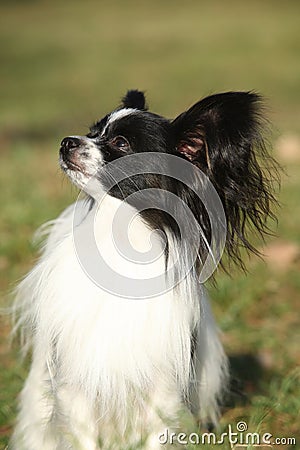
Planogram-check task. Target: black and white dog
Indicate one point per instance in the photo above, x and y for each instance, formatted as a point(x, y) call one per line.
point(115, 310)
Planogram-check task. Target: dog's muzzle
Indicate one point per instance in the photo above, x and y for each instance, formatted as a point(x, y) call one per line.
point(68, 144)
point(69, 153)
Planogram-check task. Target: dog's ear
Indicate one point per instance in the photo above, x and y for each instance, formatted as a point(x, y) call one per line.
point(212, 128)
point(223, 136)
point(134, 99)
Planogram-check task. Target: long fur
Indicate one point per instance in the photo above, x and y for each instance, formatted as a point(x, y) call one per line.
point(111, 372)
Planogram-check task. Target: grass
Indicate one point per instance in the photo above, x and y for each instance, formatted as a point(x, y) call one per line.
point(64, 64)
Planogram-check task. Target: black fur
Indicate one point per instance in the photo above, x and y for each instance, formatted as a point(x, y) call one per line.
point(134, 99)
point(223, 136)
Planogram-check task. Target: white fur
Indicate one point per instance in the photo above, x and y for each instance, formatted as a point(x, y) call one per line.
point(106, 367)
point(116, 115)
point(84, 179)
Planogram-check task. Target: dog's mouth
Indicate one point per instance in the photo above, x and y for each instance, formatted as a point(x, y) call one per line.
point(69, 155)
point(67, 163)
point(79, 158)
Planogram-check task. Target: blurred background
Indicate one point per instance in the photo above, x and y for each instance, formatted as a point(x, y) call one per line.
point(66, 64)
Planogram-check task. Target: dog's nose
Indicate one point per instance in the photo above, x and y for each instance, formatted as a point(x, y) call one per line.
point(68, 143)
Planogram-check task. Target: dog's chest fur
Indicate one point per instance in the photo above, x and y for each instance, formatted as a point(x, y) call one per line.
point(94, 340)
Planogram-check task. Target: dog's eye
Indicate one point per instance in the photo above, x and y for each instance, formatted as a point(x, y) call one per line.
point(120, 142)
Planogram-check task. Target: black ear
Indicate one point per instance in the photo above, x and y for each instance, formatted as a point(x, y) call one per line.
point(207, 129)
point(223, 135)
point(134, 99)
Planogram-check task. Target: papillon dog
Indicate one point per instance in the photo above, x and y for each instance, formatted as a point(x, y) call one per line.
point(115, 311)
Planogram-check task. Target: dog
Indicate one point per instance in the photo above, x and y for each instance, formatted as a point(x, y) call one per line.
point(115, 311)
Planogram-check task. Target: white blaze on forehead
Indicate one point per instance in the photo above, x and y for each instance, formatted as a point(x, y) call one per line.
point(116, 115)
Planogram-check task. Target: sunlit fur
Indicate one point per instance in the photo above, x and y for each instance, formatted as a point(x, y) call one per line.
point(110, 372)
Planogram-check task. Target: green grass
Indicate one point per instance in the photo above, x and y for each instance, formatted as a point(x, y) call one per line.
point(65, 64)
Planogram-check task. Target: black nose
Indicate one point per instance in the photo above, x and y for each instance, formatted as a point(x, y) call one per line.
point(68, 143)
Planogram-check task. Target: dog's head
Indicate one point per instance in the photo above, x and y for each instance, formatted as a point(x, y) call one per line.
point(222, 135)
point(127, 130)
